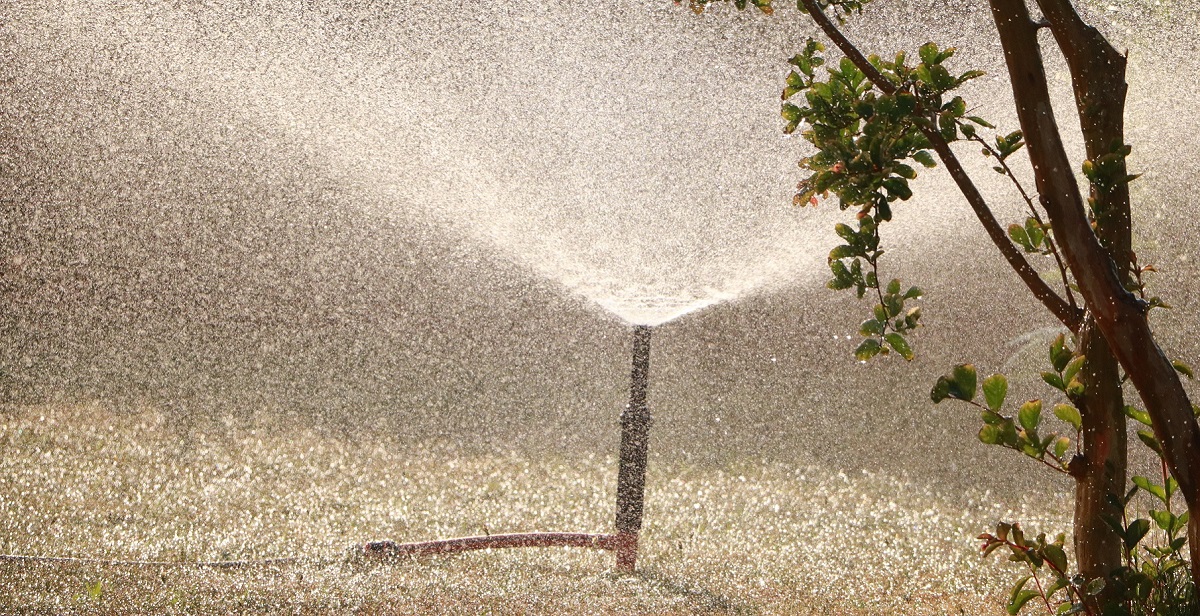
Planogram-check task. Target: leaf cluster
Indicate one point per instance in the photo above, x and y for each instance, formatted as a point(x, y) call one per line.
point(1031, 236)
point(1022, 431)
point(865, 138)
point(867, 142)
point(1155, 576)
point(1041, 555)
point(1107, 171)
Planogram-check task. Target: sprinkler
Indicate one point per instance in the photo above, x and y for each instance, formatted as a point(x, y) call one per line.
point(631, 489)
point(631, 470)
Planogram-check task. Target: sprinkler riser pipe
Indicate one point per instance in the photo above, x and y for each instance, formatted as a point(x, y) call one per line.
point(631, 473)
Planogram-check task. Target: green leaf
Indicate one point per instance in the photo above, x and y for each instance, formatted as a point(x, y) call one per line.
point(843, 251)
point(995, 389)
point(1060, 446)
point(1138, 415)
point(1060, 355)
point(1094, 587)
point(897, 187)
point(1183, 369)
point(969, 75)
point(912, 318)
point(1035, 232)
point(957, 107)
point(897, 342)
point(1073, 368)
point(1151, 487)
point(1089, 170)
point(1069, 414)
point(1147, 437)
point(962, 382)
point(847, 233)
point(913, 293)
point(867, 349)
point(1059, 583)
point(870, 327)
point(893, 286)
point(837, 284)
point(1137, 529)
point(941, 390)
point(1020, 237)
point(1053, 380)
point(946, 124)
point(928, 53)
point(1030, 415)
point(1164, 519)
point(1019, 600)
point(991, 417)
point(990, 434)
point(924, 157)
point(1057, 557)
point(1008, 434)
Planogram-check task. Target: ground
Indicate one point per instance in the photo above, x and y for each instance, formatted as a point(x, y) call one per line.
point(741, 538)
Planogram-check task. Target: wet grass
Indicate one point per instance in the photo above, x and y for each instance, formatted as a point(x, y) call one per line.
point(740, 538)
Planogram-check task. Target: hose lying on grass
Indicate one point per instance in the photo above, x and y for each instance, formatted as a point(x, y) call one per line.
point(378, 550)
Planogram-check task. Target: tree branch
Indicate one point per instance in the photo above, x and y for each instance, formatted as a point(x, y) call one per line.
point(1068, 315)
point(1098, 77)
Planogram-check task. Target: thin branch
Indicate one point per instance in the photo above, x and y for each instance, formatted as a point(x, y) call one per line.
point(1041, 591)
point(1062, 268)
point(885, 85)
point(1068, 315)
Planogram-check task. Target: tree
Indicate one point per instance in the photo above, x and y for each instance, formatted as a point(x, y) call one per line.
point(871, 117)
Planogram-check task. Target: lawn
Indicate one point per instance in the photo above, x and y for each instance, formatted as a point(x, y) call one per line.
point(743, 537)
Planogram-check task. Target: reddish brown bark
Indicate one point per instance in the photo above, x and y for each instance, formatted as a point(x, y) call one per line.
point(1099, 549)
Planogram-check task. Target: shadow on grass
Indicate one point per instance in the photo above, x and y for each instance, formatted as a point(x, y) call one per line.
point(699, 598)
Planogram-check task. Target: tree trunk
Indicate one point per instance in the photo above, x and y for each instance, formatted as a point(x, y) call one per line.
point(1102, 475)
point(1098, 80)
point(1119, 316)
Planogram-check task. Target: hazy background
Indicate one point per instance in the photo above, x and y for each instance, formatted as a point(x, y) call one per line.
point(406, 217)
